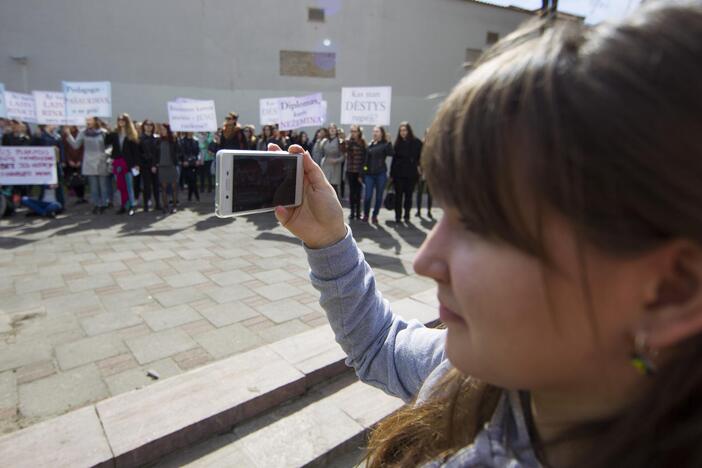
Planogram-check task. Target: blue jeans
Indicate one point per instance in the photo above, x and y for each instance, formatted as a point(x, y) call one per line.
point(99, 189)
point(377, 182)
point(41, 208)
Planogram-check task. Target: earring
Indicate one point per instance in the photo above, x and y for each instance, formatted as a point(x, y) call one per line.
point(640, 358)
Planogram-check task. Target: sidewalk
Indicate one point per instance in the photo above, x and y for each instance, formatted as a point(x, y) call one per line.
point(89, 305)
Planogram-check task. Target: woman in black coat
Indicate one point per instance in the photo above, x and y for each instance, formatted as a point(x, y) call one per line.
point(149, 154)
point(404, 169)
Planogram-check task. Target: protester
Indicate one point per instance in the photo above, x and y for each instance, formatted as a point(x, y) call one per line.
point(355, 156)
point(190, 161)
point(333, 149)
point(125, 161)
point(422, 187)
point(319, 137)
point(279, 138)
point(249, 132)
point(149, 152)
point(568, 260)
point(266, 135)
point(20, 134)
point(168, 157)
point(94, 166)
point(304, 141)
point(205, 141)
point(73, 158)
point(375, 172)
point(403, 171)
point(232, 136)
point(49, 203)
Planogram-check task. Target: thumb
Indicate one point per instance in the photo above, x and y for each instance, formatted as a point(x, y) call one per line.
point(282, 214)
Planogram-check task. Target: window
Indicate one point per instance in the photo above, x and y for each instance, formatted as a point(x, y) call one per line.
point(315, 14)
point(472, 55)
point(312, 64)
point(491, 38)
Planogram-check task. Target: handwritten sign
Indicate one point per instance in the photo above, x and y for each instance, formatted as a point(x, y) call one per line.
point(87, 99)
point(303, 111)
point(3, 110)
point(28, 165)
point(50, 107)
point(192, 116)
point(366, 106)
point(269, 111)
point(20, 106)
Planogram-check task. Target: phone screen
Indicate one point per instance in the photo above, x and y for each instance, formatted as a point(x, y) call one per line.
point(264, 181)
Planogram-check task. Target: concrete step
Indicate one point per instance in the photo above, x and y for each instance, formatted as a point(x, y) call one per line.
point(326, 426)
point(143, 426)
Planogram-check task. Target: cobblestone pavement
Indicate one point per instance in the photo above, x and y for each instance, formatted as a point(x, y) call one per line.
point(90, 304)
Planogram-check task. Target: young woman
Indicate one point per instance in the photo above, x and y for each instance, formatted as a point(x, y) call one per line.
point(422, 187)
point(333, 149)
point(232, 136)
point(125, 161)
point(404, 169)
point(92, 139)
point(249, 132)
point(304, 141)
point(568, 260)
point(375, 172)
point(355, 155)
point(74, 161)
point(168, 157)
point(266, 135)
point(319, 137)
point(205, 141)
point(190, 162)
point(149, 155)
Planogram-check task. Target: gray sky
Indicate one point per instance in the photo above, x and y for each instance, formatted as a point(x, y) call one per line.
point(594, 11)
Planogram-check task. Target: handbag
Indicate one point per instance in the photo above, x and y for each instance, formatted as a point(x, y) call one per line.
point(389, 202)
point(76, 181)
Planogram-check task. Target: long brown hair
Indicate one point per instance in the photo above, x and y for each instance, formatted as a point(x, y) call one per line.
point(602, 126)
point(129, 129)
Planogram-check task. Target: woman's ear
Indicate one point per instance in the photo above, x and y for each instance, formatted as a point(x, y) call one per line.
point(674, 300)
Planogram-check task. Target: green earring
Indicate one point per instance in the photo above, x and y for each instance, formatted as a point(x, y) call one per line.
point(639, 359)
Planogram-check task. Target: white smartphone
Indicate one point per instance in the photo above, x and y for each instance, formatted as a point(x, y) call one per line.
point(256, 181)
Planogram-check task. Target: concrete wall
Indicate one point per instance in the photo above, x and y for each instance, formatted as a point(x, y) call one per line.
point(228, 50)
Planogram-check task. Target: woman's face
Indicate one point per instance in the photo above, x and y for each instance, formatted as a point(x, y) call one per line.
point(332, 132)
point(90, 122)
point(377, 134)
point(121, 123)
point(518, 324)
point(163, 132)
point(148, 129)
point(403, 132)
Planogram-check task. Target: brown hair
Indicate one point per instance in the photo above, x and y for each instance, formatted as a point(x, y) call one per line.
point(361, 140)
point(601, 126)
point(129, 129)
point(410, 132)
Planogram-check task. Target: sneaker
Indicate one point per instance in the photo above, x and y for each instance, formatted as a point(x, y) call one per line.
point(174, 209)
point(364, 219)
point(131, 211)
point(375, 220)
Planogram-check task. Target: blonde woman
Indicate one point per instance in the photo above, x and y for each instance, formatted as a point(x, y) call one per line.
point(125, 165)
point(333, 154)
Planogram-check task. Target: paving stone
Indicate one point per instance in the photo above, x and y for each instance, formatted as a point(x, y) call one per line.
point(197, 327)
point(275, 292)
point(74, 439)
point(181, 280)
point(154, 266)
point(37, 283)
point(230, 277)
point(179, 296)
point(410, 309)
point(283, 330)
point(160, 345)
point(61, 392)
point(77, 302)
point(192, 254)
point(140, 280)
point(91, 282)
point(124, 300)
point(116, 364)
point(195, 357)
point(8, 390)
point(59, 269)
point(160, 319)
point(151, 255)
point(274, 276)
point(282, 311)
point(364, 404)
point(103, 323)
point(228, 340)
point(22, 354)
point(20, 302)
point(137, 378)
point(428, 297)
point(229, 293)
point(228, 313)
point(105, 267)
point(77, 353)
point(112, 256)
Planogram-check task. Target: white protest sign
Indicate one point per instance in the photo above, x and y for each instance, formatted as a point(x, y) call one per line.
point(303, 111)
point(28, 165)
point(20, 106)
point(369, 105)
point(3, 110)
point(192, 116)
point(269, 111)
point(50, 107)
point(87, 99)
point(324, 112)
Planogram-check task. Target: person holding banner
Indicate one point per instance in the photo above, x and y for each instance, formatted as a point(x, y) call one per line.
point(125, 161)
point(18, 136)
point(375, 172)
point(403, 171)
point(333, 155)
point(148, 164)
point(355, 155)
point(92, 138)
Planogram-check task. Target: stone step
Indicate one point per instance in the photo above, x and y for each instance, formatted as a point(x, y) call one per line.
point(144, 425)
point(327, 426)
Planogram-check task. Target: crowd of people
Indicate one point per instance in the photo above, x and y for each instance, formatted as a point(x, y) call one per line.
point(148, 164)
